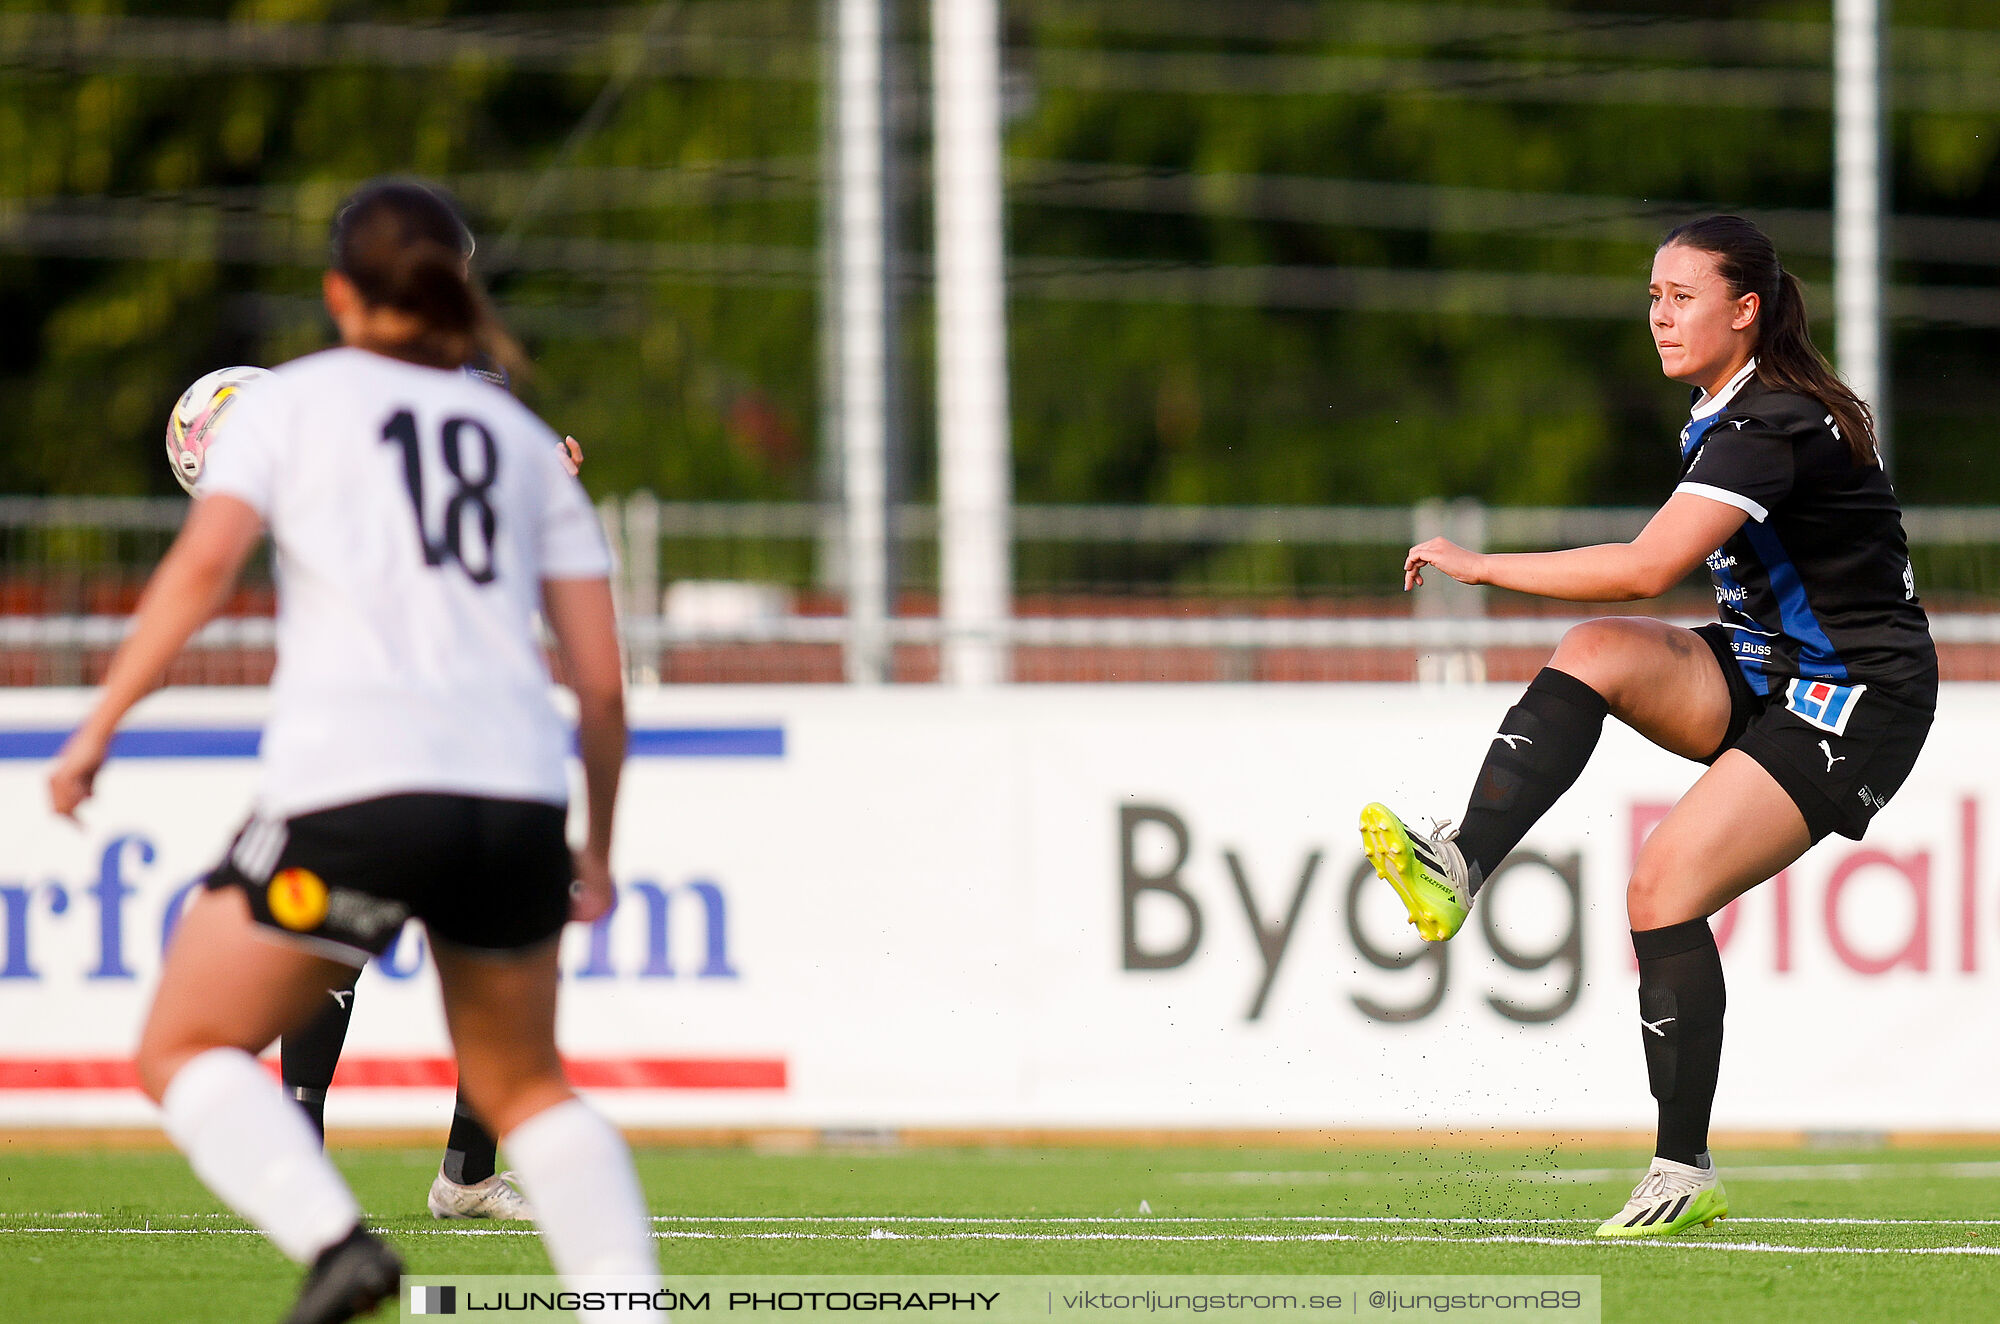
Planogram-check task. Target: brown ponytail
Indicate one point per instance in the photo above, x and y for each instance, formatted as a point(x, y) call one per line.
point(403, 246)
point(1787, 360)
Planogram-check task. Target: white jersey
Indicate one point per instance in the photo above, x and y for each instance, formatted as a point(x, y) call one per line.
point(414, 513)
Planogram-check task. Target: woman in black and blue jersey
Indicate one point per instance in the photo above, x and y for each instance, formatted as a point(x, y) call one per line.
point(1809, 698)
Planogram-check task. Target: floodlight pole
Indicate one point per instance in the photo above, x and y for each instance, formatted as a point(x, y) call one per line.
point(975, 480)
point(865, 356)
point(1860, 194)
point(830, 522)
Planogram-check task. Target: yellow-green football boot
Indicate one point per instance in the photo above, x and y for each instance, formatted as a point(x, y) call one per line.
point(1429, 873)
point(1672, 1197)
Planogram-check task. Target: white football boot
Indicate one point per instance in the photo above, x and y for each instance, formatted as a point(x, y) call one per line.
point(1670, 1198)
point(498, 1197)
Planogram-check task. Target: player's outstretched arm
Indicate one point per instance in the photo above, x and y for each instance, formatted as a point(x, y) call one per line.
point(585, 624)
point(1672, 544)
point(189, 587)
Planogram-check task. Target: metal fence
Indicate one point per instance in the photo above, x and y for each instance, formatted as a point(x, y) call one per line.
point(752, 592)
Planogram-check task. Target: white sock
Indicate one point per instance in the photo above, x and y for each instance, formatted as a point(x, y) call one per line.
point(579, 1179)
point(255, 1149)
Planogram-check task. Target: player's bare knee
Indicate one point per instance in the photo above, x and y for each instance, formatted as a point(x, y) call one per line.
point(1656, 894)
point(1653, 874)
point(1596, 653)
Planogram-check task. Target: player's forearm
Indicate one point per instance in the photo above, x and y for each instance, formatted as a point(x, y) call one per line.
point(1609, 572)
point(601, 739)
point(581, 616)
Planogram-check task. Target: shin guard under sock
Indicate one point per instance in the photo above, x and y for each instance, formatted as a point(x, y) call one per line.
point(1681, 1001)
point(1543, 744)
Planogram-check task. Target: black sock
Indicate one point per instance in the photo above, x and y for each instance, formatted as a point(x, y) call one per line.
point(1543, 744)
point(309, 1056)
point(470, 1152)
point(1681, 1000)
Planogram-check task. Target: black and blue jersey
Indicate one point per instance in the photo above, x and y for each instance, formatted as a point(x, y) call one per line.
point(1817, 585)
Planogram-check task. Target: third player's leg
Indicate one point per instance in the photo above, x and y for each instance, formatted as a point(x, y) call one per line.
point(307, 1056)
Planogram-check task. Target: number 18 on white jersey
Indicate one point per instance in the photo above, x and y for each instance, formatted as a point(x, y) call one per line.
point(414, 513)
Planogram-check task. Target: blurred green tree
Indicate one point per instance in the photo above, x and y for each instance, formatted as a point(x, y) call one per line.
point(1273, 251)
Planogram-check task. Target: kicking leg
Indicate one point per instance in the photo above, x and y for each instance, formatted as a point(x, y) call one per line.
point(1658, 679)
point(1661, 680)
point(1734, 828)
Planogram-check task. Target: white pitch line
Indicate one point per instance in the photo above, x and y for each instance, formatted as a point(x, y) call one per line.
point(1606, 1246)
point(1017, 1221)
point(253, 1232)
point(1314, 1237)
point(1135, 1220)
point(142, 1231)
point(1587, 1176)
point(1661, 1243)
point(1875, 1222)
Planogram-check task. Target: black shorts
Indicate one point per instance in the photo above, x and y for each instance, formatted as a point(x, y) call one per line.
point(486, 874)
point(1840, 752)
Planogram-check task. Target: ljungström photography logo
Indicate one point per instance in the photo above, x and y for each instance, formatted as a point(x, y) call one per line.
point(433, 1300)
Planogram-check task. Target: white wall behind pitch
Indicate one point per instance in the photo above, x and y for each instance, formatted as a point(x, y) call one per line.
point(922, 900)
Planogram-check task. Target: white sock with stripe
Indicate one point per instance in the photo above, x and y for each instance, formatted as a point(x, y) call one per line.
point(255, 1149)
point(578, 1176)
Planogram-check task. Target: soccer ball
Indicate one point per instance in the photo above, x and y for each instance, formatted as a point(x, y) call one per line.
point(191, 426)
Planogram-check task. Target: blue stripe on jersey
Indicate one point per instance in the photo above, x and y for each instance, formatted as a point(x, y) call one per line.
point(1696, 429)
point(1817, 658)
point(1753, 671)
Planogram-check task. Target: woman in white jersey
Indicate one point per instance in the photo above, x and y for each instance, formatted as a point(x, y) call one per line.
point(413, 764)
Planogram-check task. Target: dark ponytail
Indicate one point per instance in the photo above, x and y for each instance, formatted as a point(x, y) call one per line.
point(1786, 357)
point(403, 246)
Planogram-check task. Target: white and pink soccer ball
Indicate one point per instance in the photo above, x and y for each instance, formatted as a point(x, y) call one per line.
point(191, 427)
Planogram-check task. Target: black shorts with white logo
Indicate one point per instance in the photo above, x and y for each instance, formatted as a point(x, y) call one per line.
point(487, 874)
point(1840, 751)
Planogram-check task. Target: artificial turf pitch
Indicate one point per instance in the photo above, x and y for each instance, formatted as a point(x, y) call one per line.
point(1814, 1235)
